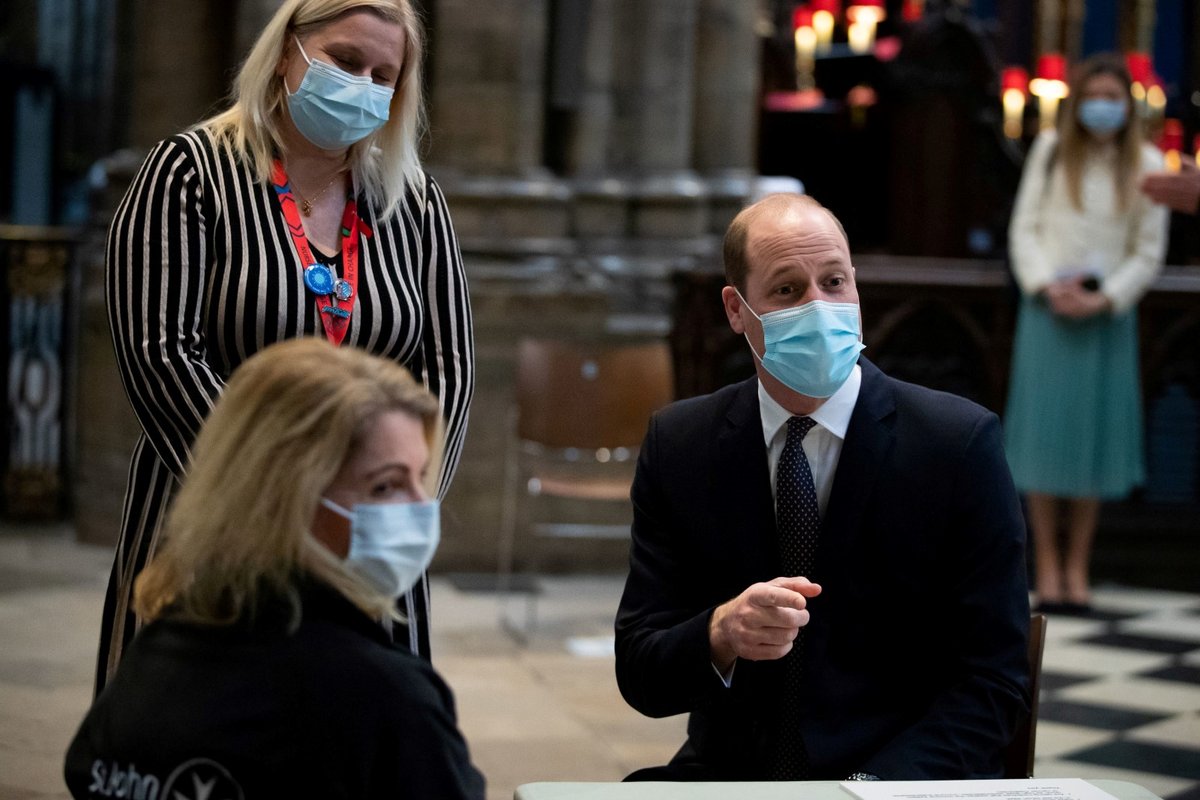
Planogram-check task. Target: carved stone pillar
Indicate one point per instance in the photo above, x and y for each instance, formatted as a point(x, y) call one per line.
point(489, 66)
point(252, 17)
point(725, 87)
point(178, 78)
point(593, 126)
point(724, 117)
point(654, 52)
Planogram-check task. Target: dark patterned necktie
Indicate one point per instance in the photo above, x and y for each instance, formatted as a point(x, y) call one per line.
point(798, 519)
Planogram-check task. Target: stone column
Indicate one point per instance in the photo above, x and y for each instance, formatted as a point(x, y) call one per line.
point(252, 17)
point(487, 106)
point(593, 126)
point(654, 52)
point(725, 87)
point(489, 69)
point(724, 117)
point(178, 78)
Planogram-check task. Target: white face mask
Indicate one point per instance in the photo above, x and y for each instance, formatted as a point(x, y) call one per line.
point(812, 348)
point(391, 544)
point(334, 109)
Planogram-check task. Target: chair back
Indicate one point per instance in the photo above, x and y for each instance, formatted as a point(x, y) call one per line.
point(1018, 756)
point(589, 395)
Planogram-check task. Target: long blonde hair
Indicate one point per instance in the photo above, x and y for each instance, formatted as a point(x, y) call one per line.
point(384, 163)
point(1074, 139)
point(241, 525)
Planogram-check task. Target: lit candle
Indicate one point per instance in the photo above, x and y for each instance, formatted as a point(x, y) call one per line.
point(861, 36)
point(1139, 74)
point(1156, 98)
point(864, 15)
point(806, 47)
point(1012, 85)
point(1050, 86)
point(1171, 142)
point(823, 27)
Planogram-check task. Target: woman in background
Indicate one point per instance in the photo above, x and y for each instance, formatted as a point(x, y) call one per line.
point(267, 667)
point(1085, 245)
point(302, 210)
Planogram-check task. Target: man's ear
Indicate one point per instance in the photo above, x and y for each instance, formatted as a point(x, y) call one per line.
point(733, 309)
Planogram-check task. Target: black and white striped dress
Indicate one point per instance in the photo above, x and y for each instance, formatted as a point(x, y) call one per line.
point(202, 274)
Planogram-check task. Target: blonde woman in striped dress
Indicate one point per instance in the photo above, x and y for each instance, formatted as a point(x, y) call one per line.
point(302, 210)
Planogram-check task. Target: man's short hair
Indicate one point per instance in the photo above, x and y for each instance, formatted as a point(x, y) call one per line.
point(737, 264)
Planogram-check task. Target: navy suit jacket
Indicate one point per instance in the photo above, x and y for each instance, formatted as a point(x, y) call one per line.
point(915, 654)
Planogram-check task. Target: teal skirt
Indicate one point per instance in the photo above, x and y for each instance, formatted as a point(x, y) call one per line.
point(1073, 422)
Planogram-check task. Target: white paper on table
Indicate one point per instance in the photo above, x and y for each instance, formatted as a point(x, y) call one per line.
point(1016, 789)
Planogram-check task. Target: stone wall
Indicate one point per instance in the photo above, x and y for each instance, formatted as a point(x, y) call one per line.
point(655, 114)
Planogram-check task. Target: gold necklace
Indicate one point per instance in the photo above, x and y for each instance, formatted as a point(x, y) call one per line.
point(306, 205)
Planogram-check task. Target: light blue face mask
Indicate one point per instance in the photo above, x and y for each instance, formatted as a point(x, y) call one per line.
point(811, 349)
point(334, 109)
point(1102, 116)
point(391, 544)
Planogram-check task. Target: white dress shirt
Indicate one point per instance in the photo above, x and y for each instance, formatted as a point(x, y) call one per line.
point(823, 444)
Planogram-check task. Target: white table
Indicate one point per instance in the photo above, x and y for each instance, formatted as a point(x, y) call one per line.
point(778, 790)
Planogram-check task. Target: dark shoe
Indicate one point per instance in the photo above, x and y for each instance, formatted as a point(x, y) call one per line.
point(1076, 609)
point(1051, 607)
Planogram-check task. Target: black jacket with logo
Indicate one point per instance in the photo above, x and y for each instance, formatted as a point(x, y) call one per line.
point(333, 709)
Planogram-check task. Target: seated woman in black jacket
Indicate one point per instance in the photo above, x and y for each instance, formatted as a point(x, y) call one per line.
point(267, 668)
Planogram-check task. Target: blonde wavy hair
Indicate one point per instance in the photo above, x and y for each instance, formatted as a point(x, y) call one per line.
point(1074, 139)
point(383, 164)
point(240, 527)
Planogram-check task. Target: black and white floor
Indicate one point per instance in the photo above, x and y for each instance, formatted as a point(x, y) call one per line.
point(1121, 692)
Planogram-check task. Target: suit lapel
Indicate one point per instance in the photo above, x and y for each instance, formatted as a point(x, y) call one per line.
point(747, 508)
point(868, 441)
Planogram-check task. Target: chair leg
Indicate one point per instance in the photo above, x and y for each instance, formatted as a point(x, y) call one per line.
point(510, 514)
point(506, 552)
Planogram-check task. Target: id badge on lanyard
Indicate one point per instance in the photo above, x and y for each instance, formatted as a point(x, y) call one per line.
point(334, 296)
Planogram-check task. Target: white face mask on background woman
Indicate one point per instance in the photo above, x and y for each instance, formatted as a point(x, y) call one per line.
point(1102, 116)
point(391, 544)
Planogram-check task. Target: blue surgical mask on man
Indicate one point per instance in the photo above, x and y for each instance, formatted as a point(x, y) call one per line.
point(391, 544)
point(334, 109)
point(1101, 116)
point(811, 349)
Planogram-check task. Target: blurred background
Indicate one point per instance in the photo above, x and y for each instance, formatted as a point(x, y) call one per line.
point(593, 152)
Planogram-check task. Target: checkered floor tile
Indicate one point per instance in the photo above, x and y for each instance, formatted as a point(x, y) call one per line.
point(1121, 692)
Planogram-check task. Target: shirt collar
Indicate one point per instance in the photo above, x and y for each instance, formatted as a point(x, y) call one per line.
point(833, 415)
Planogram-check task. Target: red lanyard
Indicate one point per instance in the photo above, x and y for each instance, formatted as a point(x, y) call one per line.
point(335, 297)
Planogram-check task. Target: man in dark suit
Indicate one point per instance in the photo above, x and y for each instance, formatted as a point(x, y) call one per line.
point(897, 649)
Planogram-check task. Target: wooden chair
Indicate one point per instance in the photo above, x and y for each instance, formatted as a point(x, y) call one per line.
point(580, 415)
point(1018, 756)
